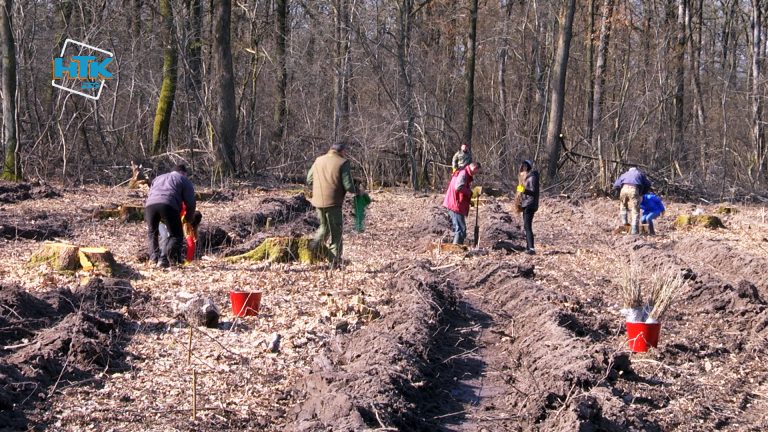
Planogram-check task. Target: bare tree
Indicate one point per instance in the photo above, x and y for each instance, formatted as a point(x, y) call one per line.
point(12, 164)
point(224, 79)
point(469, 74)
point(599, 82)
point(557, 95)
point(758, 52)
point(343, 72)
point(168, 90)
point(281, 105)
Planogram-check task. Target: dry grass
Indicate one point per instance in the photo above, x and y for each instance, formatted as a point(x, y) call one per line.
point(631, 294)
point(664, 289)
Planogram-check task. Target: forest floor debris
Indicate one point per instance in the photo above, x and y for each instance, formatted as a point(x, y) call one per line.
point(405, 336)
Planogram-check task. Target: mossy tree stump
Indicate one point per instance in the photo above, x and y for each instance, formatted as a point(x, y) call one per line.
point(286, 249)
point(64, 257)
point(61, 257)
point(706, 221)
point(97, 259)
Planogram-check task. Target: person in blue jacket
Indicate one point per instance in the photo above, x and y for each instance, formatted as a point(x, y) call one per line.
point(652, 208)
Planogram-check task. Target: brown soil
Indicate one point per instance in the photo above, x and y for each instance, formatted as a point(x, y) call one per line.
point(404, 337)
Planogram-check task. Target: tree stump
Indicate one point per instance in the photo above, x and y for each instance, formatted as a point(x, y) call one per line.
point(106, 213)
point(59, 256)
point(286, 249)
point(97, 260)
point(138, 179)
point(131, 213)
point(705, 221)
point(451, 248)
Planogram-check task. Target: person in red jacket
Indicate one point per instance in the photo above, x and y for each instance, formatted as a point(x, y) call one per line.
point(458, 198)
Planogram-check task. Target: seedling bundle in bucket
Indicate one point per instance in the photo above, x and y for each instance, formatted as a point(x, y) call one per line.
point(643, 316)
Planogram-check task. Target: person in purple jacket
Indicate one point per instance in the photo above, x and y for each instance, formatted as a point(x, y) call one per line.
point(166, 195)
point(633, 184)
point(652, 208)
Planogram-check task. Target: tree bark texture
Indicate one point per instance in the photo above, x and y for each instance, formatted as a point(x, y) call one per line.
point(557, 95)
point(11, 165)
point(281, 105)
point(168, 90)
point(225, 126)
point(469, 74)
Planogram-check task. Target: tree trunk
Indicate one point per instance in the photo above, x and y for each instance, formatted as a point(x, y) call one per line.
point(343, 71)
point(599, 80)
point(12, 164)
point(194, 56)
point(225, 126)
point(679, 60)
point(281, 105)
point(168, 89)
point(756, 97)
point(506, 151)
point(590, 44)
point(557, 94)
point(469, 75)
point(406, 93)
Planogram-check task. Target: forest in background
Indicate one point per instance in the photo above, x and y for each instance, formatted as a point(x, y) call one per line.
point(249, 88)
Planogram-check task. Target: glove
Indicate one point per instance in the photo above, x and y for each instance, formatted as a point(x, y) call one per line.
point(520, 188)
point(453, 170)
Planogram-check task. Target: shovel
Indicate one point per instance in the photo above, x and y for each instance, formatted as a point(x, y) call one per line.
point(476, 240)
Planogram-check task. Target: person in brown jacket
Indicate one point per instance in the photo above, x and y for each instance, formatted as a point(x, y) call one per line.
point(330, 179)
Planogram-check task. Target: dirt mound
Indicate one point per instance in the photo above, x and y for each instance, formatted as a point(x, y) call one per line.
point(366, 379)
point(277, 210)
point(35, 226)
point(11, 192)
point(58, 336)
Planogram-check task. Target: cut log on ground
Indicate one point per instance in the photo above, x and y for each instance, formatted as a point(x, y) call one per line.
point(286, 249)
point(97, 260)
point(59, 256)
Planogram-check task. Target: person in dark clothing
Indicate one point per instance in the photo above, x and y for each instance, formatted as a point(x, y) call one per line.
point(164, 203)
point(529, 190)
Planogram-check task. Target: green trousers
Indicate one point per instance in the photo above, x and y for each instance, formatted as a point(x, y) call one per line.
point(331, 222)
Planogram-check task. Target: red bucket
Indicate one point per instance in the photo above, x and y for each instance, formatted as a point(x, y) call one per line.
point(245, 303)
point(190, 248)
point(642, 335)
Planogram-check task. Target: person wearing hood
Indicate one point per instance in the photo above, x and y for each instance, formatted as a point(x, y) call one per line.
point(458, 198)
point(528, 188)
point(633, 184)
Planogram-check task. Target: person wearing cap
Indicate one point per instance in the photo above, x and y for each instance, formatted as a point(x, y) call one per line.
point(167, 194)
point(633, 184)
point(330, 179)
point(462, 158)
point(528, 188)
point(457, 199)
